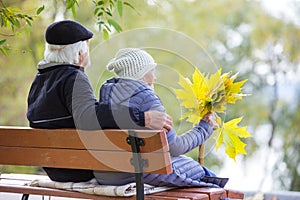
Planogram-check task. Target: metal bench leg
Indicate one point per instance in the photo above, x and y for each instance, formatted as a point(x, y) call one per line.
point(25, 197)
point(139, 179)
point(137, 162)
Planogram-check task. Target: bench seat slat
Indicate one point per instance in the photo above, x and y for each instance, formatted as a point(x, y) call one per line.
point(79, 139)
point(235, 194)
point(188, 195)
point(51, 192)
point(154, 197)
point(83, 159)
point(72, 194)
point(213, 193)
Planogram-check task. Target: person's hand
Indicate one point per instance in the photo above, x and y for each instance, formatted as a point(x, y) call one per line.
point(158, 120)
point(211, 119)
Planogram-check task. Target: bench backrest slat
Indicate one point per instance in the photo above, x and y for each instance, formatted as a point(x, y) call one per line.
point(81, 159)
point(80, 139)
point(70, 148)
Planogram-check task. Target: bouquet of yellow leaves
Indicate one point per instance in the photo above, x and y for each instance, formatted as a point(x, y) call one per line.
point(211, 94)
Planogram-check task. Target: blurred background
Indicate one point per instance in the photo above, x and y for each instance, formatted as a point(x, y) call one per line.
point(259, 39)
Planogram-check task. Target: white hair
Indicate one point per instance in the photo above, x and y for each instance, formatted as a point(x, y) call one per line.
point(65, 53)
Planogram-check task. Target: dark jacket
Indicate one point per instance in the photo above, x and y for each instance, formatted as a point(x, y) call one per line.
point(50, 97)
point(186, 172)
point(62, 97)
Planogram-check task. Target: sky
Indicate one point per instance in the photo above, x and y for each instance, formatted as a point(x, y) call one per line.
point(282, 9)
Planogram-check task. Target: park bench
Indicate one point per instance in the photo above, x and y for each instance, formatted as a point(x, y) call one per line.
point(138, 151)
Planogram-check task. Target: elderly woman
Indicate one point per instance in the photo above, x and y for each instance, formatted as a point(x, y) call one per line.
point(134, 88)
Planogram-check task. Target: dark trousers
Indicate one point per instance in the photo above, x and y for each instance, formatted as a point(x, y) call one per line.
point(69, 175)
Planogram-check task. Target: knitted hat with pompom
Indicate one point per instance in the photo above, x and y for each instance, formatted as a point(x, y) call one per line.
point(131, 63)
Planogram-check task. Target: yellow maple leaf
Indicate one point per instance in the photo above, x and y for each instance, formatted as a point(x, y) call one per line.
point(187, 95)
point(229, 135)
point(216, 92)
point(200, 88)
point(189, 99)
point(215, 83)
point(193, 96)
point(233, 90)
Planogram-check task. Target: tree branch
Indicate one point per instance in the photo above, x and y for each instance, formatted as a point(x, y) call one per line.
point(2, 4)
point(7, 35)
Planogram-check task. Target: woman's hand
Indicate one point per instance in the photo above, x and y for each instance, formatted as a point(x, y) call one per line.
point(211, 119)
point(158, 120)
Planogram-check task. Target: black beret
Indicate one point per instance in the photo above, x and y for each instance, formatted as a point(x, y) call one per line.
point(67, 32)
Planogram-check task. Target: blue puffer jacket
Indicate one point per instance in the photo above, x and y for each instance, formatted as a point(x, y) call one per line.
point(186, 172)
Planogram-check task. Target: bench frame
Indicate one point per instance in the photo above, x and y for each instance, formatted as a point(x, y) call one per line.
point(44, 140)
point(136, 151)
point(137, 161)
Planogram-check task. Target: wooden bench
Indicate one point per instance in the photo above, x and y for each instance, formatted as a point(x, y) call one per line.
point(137, 151)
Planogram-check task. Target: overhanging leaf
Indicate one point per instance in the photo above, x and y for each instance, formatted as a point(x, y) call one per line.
point(120, 8)
point(40, 9)
point(105, 34)
point(74, 11)
point(115, 25)
point(2, 42)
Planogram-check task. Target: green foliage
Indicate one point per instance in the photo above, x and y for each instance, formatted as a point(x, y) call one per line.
point(15, 20)
point(40, 9)
point(11, 17)
point(104, 12)
point(71, 5)
point(4, 47)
